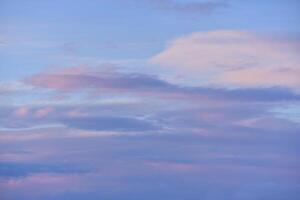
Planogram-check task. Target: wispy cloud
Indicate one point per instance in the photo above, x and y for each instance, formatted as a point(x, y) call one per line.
point(189, 6)
point(21, 169)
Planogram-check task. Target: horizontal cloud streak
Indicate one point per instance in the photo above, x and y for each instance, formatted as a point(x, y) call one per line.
point(189, 6)
point(15, 169)
point(139, 84)
point(68, 80)
point(109, 123)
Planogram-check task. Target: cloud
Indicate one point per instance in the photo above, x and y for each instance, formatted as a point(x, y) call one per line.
point(136, 166)
point(22, 111)
point(40, 113)
point(84, 117)
point(84, 78)
point(21, 169)
point(235, 59)
point(188, 6)
point(102, 123)
point(40, 186)
point(9, 87)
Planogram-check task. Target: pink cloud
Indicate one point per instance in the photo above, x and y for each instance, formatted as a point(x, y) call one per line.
point(42, 112)
point(257, 77)
point(38, 185)
point(234, 58)
point(113, 82)
point(22, 111)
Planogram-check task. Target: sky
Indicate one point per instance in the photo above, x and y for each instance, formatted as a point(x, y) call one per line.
point(149, 99)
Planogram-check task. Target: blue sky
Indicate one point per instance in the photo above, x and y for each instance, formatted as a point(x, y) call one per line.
point(149, 99)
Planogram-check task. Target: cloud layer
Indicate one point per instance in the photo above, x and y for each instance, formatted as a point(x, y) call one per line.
point(194, 140)
point(113, 82)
